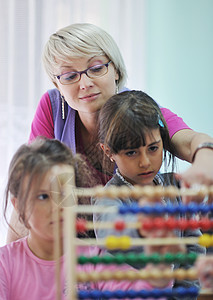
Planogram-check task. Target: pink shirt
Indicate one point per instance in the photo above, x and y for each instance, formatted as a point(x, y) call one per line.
point(24, 276)
point(42, 124)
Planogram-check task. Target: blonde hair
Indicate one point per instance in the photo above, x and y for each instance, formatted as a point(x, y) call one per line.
point(79, 40)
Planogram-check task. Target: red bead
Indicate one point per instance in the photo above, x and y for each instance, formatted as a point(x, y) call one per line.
point(119, 225)
point(147, 224)
point(171, 223)
point(193, 224)
point(81, 225)
point(182, 224)
point(205, 224)
point(159, 223)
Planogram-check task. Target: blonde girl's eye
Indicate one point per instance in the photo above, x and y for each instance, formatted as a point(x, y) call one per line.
point(43, 196)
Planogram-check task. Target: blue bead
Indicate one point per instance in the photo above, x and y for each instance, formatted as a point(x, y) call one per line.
point(159, 209)
point(180, 291)
point(211, 208)
point(119, 294)
point(146, 210)
point(182, 209)
point(135, 209)
point(204, 208)
point(171, 209)
point(95, 294)
point(166, 292)
point(143, 294)
point(131, 294)
point(193, 291)
point(192, 208)
point(123, 209)
point(83, 294)
point(156, 293)
point(107, 294)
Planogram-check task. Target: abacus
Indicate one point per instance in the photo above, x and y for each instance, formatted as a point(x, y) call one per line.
point(72, 227)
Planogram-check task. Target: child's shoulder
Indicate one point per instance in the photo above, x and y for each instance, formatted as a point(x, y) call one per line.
point(13, 249)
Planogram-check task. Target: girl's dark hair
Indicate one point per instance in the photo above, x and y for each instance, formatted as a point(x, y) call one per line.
point(31, 163)
point(127, 117)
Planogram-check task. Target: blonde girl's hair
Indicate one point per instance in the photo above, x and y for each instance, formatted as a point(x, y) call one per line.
point(81, 40)
point(30, 164)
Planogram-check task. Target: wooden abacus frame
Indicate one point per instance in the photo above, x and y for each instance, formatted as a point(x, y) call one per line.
point(71, 210)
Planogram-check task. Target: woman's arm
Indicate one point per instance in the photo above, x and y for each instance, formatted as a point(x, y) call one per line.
point(201, 171)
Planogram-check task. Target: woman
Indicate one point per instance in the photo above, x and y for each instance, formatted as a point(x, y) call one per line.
point(87, 68)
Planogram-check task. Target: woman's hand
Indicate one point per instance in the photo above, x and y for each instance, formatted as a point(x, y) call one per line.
point(204, 266)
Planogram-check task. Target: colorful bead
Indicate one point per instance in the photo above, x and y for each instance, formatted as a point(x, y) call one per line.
point(119, 225)
point(183, 224)
point(171, 223)
point(205, 240)
point(124, 242)
point(111, 242)
point(81, 225)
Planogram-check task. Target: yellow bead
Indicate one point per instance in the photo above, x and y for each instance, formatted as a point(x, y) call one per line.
point(119, 275)
point(124, 242)
point(82, 277)
point(205, 240)
point(111, 242)
point(180, 274)
point(106, 275)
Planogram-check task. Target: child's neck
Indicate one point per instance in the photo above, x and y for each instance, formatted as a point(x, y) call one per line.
point(43, 249)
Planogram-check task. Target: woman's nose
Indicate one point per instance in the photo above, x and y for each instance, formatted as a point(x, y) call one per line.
point(85, 81)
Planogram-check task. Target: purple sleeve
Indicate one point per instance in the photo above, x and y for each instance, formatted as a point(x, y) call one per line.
point(42, 124)
point(174, 122)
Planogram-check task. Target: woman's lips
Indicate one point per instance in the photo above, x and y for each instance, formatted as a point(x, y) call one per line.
point(90, 97)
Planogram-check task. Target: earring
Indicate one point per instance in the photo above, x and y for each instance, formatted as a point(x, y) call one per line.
point(116, 90)
point(62, 107)
point(111, 159)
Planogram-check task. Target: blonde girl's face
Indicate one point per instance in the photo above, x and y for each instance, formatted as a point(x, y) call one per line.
point(48, 199)
point(140, 165)
point(87, 95)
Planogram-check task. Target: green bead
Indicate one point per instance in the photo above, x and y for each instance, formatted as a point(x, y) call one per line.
point(131, 258)
point(119, 258)
point(94, 260)
point(155, 258)
point(192, 257)
point(142, 258)
point(107, 259)
point(180, 257)
point(169, 258)
point(82, 260)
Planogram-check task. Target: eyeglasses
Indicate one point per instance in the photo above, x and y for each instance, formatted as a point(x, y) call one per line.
point(92, 72)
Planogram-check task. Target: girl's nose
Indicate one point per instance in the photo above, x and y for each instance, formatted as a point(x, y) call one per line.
point(144, 161)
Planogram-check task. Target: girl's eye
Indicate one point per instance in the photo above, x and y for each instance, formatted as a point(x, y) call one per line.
point(130, 153)
point(43, 197)
point(153, 148)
